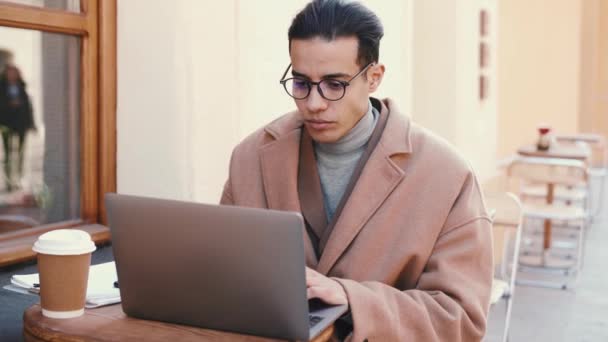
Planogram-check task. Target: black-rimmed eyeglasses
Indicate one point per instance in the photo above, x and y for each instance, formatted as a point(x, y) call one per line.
point(330, 89)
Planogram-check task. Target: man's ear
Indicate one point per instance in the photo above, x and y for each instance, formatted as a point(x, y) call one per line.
point(375, 75)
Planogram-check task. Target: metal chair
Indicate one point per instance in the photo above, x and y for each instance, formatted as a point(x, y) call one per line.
point(506, 230)
point(552, 173)
point(598, 164)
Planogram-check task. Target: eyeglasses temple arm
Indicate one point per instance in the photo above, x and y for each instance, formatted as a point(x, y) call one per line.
point(285, 73)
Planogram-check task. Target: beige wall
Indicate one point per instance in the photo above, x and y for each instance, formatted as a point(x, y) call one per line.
point(445, 78)
point(539, 69)
point(601, 114)
point(594, 68)
point(195, 77)
point(589, 63)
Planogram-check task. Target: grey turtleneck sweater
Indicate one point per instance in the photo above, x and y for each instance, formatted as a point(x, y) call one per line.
point(336, 161)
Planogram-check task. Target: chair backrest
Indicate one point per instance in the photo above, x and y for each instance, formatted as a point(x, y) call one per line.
point(567, 172)
point(596, 142)
point(499, 183)
point(506, 231)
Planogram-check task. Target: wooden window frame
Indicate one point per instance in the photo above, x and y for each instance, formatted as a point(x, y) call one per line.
point(95, 25)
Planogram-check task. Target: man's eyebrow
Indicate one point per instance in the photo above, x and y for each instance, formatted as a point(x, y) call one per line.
point(298, 74)
point(334, 75)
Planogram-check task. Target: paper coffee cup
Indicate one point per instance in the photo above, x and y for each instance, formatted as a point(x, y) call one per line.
point(64, 258)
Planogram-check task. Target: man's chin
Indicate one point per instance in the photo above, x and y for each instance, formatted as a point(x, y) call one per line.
point(323, 137)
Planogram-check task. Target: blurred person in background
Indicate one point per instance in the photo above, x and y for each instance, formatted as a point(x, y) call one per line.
point(16, 119)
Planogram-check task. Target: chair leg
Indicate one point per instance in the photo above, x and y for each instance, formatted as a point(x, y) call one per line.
point(596, 206)
point(543, 283)
point(544, 262)
point(581, 247)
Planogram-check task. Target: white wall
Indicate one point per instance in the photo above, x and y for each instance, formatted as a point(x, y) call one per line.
point(195, 77)
point(208, 98)
point(151, 152)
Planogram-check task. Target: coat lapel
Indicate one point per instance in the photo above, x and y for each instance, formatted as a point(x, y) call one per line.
point(279, 161)
point(378, 179)
point(309, 187)
point(279, 166)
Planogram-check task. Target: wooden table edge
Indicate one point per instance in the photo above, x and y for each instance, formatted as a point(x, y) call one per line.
point(32, 332)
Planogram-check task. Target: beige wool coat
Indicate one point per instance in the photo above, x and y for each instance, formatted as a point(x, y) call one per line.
point(412, 247)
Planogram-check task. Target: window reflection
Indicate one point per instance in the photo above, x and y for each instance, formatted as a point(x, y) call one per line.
point(39, 126)
point(16, 121)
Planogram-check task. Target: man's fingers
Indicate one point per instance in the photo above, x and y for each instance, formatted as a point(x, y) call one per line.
point(311, 273)
point(310, 293)
point(316, 292)
point(312, 277)
point(319, 286)
point(328, 295)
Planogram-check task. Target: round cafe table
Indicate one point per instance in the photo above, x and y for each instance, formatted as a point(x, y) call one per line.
point(561, 151)
point(565, 151)
point(109, 323)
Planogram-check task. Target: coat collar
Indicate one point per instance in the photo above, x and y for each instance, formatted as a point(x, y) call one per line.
point(381, 174)
point(393, 139)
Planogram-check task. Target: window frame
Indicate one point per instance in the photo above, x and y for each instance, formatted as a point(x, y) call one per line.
point(95, 25)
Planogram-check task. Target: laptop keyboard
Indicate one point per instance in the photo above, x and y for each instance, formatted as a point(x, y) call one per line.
point(313, 320)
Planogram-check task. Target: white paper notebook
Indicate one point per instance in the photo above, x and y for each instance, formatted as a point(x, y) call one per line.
point(100, 289)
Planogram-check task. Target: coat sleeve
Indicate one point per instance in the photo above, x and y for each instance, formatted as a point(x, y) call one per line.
point(451, 299)
point(227, 198)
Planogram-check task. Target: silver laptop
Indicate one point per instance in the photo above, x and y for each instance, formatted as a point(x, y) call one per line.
point(217, 267)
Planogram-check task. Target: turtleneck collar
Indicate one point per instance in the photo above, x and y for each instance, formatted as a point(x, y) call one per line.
point(355, 139)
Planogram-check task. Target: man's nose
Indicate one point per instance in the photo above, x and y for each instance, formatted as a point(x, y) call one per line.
point(315, 102)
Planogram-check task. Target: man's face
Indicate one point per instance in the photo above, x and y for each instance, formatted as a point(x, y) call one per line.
point(316, 59)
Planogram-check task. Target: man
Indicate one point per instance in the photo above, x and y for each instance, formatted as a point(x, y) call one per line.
point(395, 223)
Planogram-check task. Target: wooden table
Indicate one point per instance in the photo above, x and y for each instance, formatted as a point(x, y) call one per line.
point(559, 151)
point(109, 323)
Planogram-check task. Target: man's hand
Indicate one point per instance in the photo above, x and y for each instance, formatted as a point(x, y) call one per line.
point(326, 289)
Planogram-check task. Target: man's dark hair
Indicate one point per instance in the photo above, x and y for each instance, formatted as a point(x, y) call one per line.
point(331, 19)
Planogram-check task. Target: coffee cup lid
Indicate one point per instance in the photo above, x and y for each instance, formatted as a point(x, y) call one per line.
point(64, 242)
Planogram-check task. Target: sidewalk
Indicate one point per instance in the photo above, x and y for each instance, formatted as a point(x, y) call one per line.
point(581, 314)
